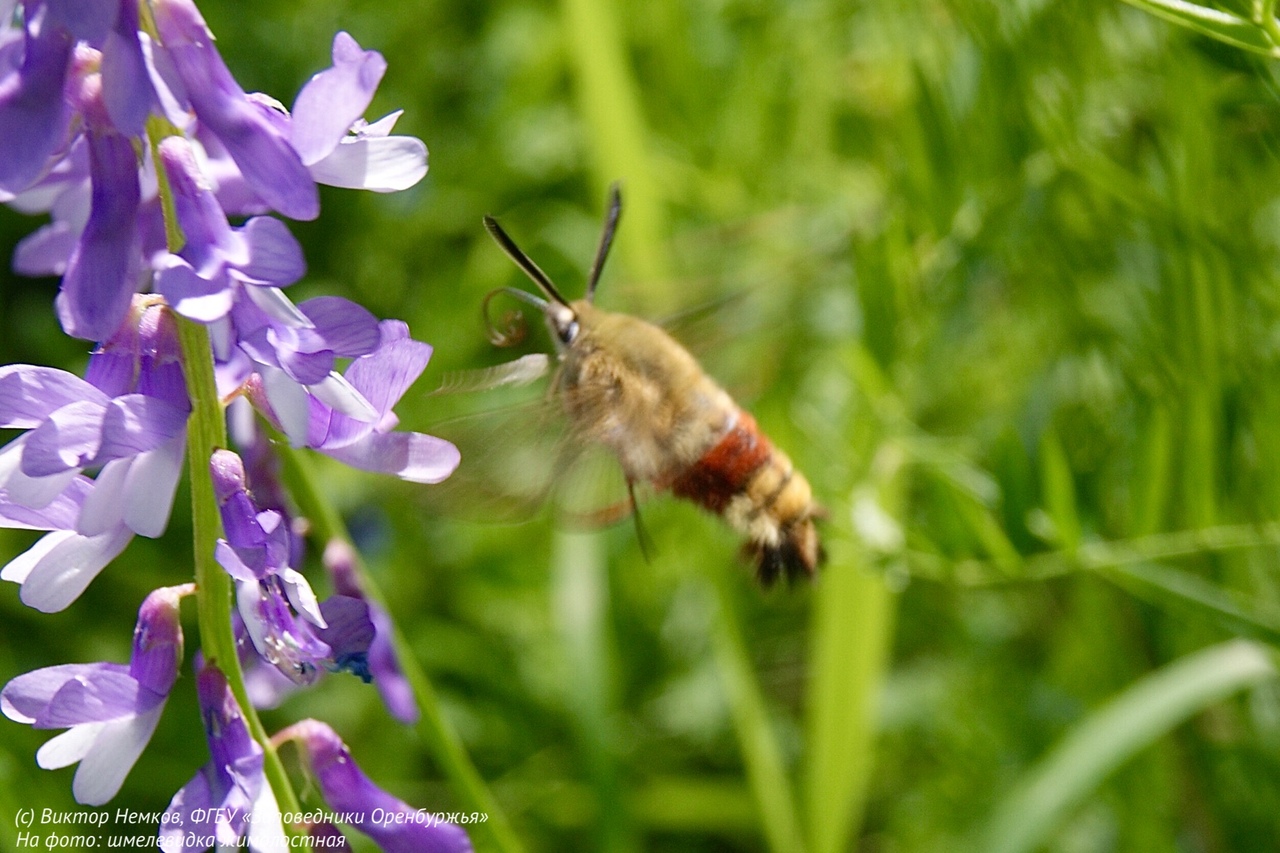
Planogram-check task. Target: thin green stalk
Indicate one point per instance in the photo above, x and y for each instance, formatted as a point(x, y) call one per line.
point(433, 727)
point(766, 769)
point(206, 432)
point(580, 602)
point(610, 103)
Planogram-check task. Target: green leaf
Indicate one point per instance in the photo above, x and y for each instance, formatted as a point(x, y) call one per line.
point(1111, 735)
point(1182, 591)
point(1222, 26)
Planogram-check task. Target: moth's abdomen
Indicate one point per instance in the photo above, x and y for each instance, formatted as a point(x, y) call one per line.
point(754, 486)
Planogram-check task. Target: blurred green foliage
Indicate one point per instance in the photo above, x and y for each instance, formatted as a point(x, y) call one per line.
point(1000, 277)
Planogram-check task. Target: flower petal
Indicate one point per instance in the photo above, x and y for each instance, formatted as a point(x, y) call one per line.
point(393, 686)
point(277, 306)
point(45, 250)
point(266, 830)
point(332, 100)
point(71, 437)
point(86, 21)
point(60, 513)
point(34, 493)
point(380, 164)
point(382, 377)
point(61, 574)
point(302, 597)
point(151, 486)
point(69, 747)
point(33, 115)
point(229, 559)
point(29, 394)
point(19, 568)
point(195, 797)
point(346, 328)
point(26, 696)
point(136, 423)
point(411, 456)
point(112, 756)
point(275, 256)
point(105, 696)
point(103, 509)
point(335, 391)
point(305, 368)
point(126, 85)
point(288, 400)
point(99, 283)
point(191, 295)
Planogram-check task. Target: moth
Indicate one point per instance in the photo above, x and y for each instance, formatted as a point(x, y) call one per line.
point(628, 386)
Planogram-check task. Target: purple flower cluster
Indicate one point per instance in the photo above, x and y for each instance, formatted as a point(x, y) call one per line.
point(159, 173)
point(108, 709)
point(127, 418)
point(82, 92)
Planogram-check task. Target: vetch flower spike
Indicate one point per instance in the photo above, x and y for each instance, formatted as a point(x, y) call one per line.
point(392, 824)
point(109, 710)
point(128, 417)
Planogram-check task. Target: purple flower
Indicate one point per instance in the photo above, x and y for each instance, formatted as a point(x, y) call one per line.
point(77, 85)
point(202, 279)
point(33, 116)
point(229, 797)
point(286, 355)
point(288, 627)
point(127, 418)
point(102, 272)
point(392, 824)
point(383, 665)
point(381, 378)
point(262, 153)
point(330, 135)
point(109, 710)
point(284, 359)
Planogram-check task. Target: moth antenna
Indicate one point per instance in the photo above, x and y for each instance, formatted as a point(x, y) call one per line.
point(523, 261)
point(606, 239)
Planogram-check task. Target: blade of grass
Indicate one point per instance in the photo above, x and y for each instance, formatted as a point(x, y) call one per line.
point(610, 102)
point(1139, 715)
point(852, 628)
point(766, 769)
point(1222, 26)
point(579, 592)
point(1182, 591)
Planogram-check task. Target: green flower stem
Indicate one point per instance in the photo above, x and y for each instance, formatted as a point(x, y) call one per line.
point(433, 727)
point(206, 432)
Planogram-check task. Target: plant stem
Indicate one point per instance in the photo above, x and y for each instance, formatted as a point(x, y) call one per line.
point(206, 432)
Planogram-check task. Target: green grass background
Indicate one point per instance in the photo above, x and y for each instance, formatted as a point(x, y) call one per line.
point(1001, 277)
